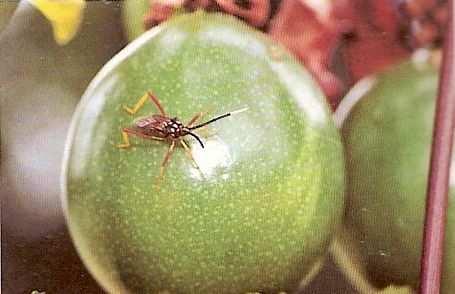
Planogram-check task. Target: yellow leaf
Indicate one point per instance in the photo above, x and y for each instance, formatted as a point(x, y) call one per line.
point(64, 15)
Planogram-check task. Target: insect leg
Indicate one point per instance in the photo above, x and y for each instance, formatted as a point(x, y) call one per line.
point(138, 105)
point(190, 156)
point(195, 118)
point(126, 141)
point(166, 158)
point(156, 102)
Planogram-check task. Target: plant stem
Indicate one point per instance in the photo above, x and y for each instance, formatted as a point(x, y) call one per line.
point(438, 181)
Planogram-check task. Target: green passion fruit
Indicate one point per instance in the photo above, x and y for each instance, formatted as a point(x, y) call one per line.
point(258, 212)
point(388, 140)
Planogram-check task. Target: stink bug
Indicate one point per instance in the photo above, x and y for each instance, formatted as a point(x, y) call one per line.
point(162, 127)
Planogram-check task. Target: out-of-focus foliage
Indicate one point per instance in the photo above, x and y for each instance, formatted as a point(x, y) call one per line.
point(6, 11)
point(41, 83)
point(133, 17)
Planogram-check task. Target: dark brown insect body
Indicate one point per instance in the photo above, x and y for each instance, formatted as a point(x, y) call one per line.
point(161, 127)
point(164, 127)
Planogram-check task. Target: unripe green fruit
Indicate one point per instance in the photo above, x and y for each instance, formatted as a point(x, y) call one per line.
point(260, 217)
point(388, 141)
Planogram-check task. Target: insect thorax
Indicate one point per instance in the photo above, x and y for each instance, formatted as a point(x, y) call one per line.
point(161, 126)
point(174, 128)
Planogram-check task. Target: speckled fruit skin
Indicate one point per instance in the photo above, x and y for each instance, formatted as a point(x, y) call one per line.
point(388, 140)
point(272, 194)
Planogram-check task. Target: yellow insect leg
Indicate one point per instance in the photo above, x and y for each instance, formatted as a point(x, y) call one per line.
point(126, 141)
point(166, 158)
point(138, 105)
point(189, 155)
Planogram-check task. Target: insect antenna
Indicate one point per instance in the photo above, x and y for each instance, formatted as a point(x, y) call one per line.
point(196, 137)
point(218, 118)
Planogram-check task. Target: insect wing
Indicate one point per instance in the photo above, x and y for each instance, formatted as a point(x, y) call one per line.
point(151, 122)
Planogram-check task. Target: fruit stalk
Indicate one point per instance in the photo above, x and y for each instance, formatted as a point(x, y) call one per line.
point(437, 192)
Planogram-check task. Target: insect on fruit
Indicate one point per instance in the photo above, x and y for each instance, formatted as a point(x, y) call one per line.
point(161, 127)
